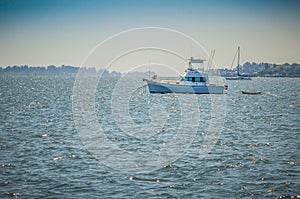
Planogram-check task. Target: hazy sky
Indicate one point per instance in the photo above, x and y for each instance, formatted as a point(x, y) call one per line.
point(45, 32)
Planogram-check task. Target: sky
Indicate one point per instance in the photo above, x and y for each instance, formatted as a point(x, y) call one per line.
point(64, 32)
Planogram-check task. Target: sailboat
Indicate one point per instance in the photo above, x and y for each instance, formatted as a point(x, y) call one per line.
point(239, 76)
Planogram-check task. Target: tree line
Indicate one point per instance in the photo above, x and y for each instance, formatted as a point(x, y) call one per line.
point(51, 71)
point(265, 70)
point(63, 70)
point(252, 69)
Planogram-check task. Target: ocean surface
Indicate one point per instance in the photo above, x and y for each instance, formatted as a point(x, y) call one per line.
point(170, 143)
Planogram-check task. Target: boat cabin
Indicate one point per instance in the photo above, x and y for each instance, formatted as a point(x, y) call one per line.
point(192, 75)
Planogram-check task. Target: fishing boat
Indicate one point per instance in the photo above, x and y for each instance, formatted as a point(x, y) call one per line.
point(193, 81)
point(251, 92)
point(239, 76)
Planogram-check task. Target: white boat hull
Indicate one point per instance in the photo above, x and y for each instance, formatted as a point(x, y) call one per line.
point(156, 87)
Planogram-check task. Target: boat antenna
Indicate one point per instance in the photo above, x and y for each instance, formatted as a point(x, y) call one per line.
point(234, 59)
point(238, 66)
point(211, 57)
point(191, 50)
point(149, 69)
point(190, 62)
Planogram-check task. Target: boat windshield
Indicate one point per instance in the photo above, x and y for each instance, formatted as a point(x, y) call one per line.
point(195, 79)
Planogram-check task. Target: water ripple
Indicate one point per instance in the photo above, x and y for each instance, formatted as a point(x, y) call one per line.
point(42, 156)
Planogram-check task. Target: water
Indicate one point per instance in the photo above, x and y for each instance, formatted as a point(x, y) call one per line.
point(256, 154)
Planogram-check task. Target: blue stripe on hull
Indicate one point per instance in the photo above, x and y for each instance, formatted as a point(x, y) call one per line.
point(166, 88)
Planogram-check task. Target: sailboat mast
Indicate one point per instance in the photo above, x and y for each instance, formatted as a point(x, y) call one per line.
point(238, 66)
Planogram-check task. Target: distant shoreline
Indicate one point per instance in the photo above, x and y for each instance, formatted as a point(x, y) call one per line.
point(251, 69)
